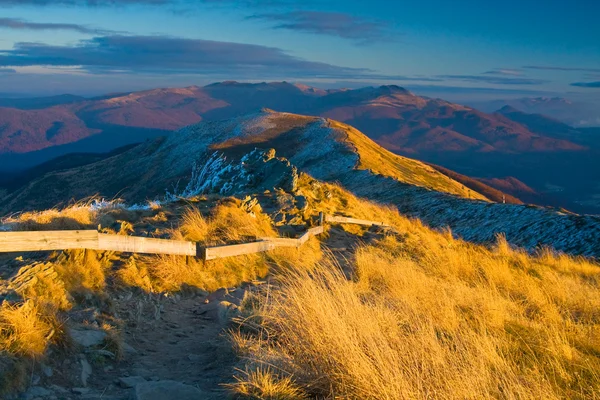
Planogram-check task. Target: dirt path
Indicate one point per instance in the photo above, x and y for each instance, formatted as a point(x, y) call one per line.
point(179, 338)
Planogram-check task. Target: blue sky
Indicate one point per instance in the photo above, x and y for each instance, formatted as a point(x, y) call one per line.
point(504, 48)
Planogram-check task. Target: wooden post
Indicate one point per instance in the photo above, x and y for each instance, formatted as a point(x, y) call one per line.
point(321, 218)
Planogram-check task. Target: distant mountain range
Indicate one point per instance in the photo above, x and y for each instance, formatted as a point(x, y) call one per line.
point(574, 113)
point(558, 164)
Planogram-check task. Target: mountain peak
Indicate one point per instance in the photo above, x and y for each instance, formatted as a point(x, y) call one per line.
point(507, 109)
point(393, 89)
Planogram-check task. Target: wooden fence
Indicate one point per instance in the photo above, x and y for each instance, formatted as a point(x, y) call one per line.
point(90, 239)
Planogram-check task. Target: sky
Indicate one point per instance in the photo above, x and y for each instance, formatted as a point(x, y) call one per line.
point(503, 49)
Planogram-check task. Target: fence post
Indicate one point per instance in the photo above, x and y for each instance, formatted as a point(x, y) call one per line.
point(321, 218)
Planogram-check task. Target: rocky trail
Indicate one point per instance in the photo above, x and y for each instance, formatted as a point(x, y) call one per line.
point(173, 346)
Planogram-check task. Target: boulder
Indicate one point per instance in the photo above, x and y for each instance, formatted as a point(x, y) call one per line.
point(87, 337)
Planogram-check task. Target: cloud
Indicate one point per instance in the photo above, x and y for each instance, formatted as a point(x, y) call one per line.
point(113, 3)
point(337, 24)
point(587, 84)
point(16, 23)
point(171, 55)
point(504, 71)
point(7, 71)
point(83, 2)
point(494, 80)
point(555, 68)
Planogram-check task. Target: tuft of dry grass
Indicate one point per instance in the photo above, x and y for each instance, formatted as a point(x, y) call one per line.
point(429, 316)
point(82, 272)
point(25, 329)
point(264, 384)
point(228, 223)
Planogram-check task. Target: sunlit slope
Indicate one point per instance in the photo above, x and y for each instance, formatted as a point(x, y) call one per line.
point(325, 149)
point(381, 161)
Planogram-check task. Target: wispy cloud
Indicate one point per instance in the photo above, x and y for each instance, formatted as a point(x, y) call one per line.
point(329, 23)
point(559, 68)
point(587, 84)
point(186, 3)
point(504, 72)
point(7, 71)
point(16, 23)
point(94, 3)
point(169, 55)
point(494, 80)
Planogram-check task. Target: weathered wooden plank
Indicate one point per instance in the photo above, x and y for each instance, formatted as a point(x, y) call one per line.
point(211, 253)
point(47, 240)
point(317, 230)
point(346, 220)
point(304, 238)
point(286, 242)
point(135, 244)
point(282, 242)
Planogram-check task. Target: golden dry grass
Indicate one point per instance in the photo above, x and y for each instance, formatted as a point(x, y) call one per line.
point(226, 224)
point(81, 215)
point(25, 329)
point(28, 327)
point(428, 316)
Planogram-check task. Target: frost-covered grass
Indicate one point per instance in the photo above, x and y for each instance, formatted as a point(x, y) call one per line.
point(82, 215)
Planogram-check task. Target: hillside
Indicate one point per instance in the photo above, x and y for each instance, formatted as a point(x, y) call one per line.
point(389, 114)
point(354, 307)
point(488, 189)
point(185, 162)
point(574, 113)
point(543, 154)
point(29, 130)
point(402, 121)
point(325, 149)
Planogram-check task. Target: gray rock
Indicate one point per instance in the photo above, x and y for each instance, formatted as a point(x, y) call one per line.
point(86, 371)
point(37, 391)
point(130, 381)
point(59, 389)
point(166, 390)
point(46, 370)
point(301, 203)
point(128, 349)
point(87, 337)
point(226, 311)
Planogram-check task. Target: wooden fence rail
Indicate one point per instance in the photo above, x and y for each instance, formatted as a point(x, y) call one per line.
point(12, 242)
point(346, 220)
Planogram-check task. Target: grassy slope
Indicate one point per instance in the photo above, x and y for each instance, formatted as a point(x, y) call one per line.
point(424, 315)
point(428, 316)
point(381, 161)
